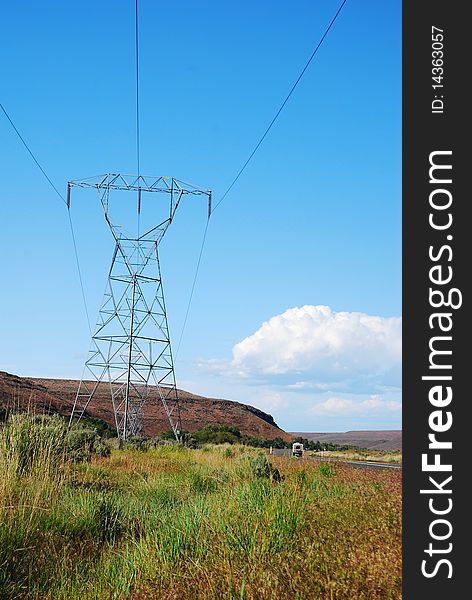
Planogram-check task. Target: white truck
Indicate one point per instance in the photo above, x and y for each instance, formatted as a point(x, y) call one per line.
point(297, 449)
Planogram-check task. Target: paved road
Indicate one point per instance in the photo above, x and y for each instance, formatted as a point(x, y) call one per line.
point(356, 463)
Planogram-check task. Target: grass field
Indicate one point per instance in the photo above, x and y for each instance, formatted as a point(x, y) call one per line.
point(389, 457)
point(175, 523)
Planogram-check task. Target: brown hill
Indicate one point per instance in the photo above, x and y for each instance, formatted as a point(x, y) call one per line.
point(373, 440)
point(57, 396)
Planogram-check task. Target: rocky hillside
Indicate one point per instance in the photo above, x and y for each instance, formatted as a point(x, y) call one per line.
point(57, 396)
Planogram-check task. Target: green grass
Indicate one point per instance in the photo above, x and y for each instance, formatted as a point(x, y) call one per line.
point(175, 523)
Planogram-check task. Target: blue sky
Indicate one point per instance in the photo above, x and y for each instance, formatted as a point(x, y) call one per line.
point(315, 220)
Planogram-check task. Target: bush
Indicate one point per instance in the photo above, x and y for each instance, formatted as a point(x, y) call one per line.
point(81, 443)
point(202, 484)
point(138, 443)
point(262, 468)
point(102, 428)
point(217, 434)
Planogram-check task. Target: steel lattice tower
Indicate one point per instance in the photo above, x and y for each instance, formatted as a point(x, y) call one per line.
point(131, 348)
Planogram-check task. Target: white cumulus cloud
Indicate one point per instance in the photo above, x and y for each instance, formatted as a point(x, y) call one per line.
point(348, 406)
point(316, 347)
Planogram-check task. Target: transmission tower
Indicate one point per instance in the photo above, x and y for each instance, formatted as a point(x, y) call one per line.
point(130, 355)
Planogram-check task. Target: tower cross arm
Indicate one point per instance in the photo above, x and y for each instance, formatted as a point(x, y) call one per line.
point(144, 183)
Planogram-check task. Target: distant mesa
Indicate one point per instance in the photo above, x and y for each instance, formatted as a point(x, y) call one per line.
point(49, 396)
point(373, 440)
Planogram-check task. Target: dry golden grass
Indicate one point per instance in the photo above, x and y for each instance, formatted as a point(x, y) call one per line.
point(174, 523)
point(394, 457)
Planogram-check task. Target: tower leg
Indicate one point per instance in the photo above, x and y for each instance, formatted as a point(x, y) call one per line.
point(130, 362)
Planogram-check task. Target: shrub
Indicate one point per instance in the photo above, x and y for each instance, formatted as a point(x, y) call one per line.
point(102, 428)
point(202, 484)
point(217, 434)
point(262, 468)
point(137, 443)
point(81, 443)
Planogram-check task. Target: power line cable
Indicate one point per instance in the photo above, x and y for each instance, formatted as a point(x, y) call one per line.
point(136, 36)
point(138, 150)
point(79, 271)
point(32, 155)
point(242, 169)
point(193, 287)
point(282, 106)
